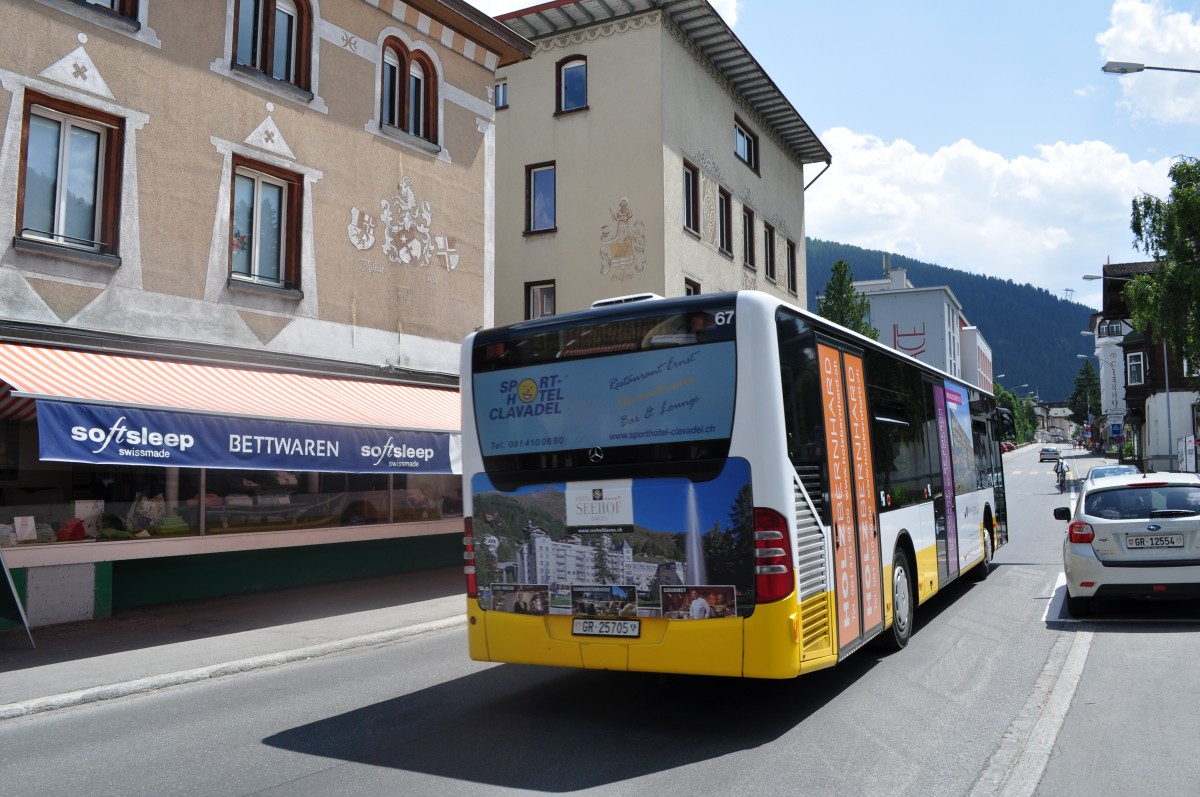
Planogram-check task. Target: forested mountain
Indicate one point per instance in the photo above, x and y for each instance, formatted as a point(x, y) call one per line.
point(1034, 335)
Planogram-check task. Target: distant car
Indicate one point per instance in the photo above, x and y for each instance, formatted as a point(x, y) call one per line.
point(1048, 453)
point(1006, 446)
point(1132, 536)
point(1100, 471)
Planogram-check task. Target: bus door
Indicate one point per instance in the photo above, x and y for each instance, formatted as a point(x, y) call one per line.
point(854, 521)
point(944, 510)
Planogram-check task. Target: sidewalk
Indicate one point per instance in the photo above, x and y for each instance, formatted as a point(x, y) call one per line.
point(138, 650)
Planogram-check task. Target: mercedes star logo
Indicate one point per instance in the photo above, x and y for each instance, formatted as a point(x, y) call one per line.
point(595, 454)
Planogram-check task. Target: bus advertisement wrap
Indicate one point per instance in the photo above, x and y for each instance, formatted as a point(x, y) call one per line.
point(666, 539)
point(665, 395)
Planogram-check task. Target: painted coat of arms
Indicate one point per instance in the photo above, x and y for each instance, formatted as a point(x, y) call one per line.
point(406, 225)
point(623, 244)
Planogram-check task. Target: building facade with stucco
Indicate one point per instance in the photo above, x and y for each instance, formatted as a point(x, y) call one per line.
point(260, 225)
point(643, 150)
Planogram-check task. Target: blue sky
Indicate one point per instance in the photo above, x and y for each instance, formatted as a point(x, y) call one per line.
point(982, 136)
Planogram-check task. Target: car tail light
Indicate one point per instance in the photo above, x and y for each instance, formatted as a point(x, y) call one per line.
point(1080, 532)
point(773, 575)
point(469, 557)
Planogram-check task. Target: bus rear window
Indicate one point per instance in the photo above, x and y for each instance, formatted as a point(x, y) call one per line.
point(594, 392)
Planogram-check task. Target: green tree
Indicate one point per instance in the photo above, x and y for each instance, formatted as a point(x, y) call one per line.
point(1085, 398)
point(1023, 416)
point(1167, 301)
point(841, 304)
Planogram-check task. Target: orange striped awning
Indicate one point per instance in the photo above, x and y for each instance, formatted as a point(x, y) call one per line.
point(29, 372)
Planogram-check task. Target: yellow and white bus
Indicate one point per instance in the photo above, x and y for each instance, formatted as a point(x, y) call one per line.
point(719, 485)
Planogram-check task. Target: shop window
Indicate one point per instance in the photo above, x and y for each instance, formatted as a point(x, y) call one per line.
point(99, 503)
point(265, 225)
point(539, 299)
point(70, 176)
point(572, 84)
point(540, 197)
point(273, 38)
point(408, 92)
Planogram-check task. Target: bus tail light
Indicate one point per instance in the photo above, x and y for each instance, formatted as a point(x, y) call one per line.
point(1080, 532)
point(469, 557)
point(773, 577)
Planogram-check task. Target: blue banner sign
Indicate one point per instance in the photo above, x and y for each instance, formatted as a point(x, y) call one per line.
point(125, 436)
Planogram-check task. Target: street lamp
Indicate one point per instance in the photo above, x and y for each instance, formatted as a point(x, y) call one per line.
point(1166, 362)
point(1128, 68)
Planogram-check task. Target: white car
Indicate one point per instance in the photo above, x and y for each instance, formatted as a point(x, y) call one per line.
point(1132, 536)
point(1100, 471)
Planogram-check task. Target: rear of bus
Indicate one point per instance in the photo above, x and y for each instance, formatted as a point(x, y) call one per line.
point(615, 518)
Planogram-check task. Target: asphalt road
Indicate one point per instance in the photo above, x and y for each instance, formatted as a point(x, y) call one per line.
point(997, 693)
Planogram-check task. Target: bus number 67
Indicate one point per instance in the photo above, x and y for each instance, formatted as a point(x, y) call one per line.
point(723, 317)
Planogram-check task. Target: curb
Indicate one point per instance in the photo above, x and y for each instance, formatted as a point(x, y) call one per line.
point(151, 683)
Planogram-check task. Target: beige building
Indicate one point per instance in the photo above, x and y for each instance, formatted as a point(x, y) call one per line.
point(643, 149)
point(245, 211)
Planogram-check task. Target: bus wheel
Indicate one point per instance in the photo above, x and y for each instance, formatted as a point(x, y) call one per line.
point(903, 603)
point(984, 568)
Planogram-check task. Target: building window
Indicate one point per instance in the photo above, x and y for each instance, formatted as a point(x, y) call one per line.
point(1110, 329)
point(745, 144)
point(539, 299)
point(691, 288)
point(273, 37)
point(1136, 365)
point(122, 8)
point(691, 197)
point(408, 93)
point(264, 236)
point(724, 221)
point(769, 252)
point(572, 84)
point(70, 175)
point(501, 94)
point(792, 285)
point(539, 193)
point(748, 238)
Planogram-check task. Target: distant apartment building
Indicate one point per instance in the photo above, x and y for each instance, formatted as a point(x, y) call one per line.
point(243, 241)
point(928, 324)
point(643, 149)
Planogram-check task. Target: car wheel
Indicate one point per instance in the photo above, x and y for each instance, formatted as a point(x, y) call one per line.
point(903, 604)
point(984, 568)
point(1079, 607)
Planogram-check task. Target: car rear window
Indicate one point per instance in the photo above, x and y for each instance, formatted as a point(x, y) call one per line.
point(1143, 502)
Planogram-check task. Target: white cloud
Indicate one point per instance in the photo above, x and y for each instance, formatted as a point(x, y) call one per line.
point(1147, 32)
point(1045, 219)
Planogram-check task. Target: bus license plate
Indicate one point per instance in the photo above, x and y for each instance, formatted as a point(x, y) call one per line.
point(588, 626)
point(1141, 541)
